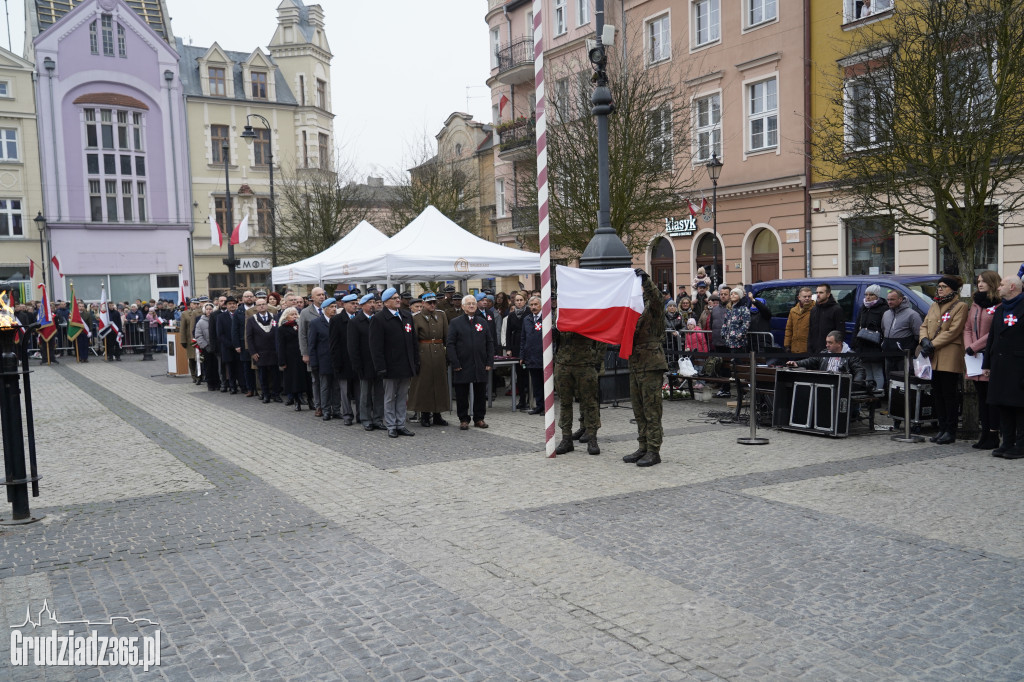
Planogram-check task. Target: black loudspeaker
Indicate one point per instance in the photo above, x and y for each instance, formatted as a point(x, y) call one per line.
point(922, 405)
point(812, 402)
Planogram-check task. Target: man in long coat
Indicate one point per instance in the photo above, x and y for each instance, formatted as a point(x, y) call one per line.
point(471, 353)
point(1002, 365)
point(396, 359)
point(371, 389)
point(186, 331)
point(344, 373)
point(261, 340)
point(428, 393)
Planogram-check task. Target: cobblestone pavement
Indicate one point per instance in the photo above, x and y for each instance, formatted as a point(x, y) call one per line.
point(268, 545)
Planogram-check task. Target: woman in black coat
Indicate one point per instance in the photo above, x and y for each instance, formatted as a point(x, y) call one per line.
point(511, 330)
point(870, 318)
point(470, 353)
point(289, 357)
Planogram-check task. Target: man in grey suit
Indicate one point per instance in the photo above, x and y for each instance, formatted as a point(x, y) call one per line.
point(308, 314)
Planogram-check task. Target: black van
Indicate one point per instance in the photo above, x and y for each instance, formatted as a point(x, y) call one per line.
point(780, 295)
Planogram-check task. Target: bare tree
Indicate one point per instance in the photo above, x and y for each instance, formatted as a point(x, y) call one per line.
point(316, 207)
point(927, 119)
point(649, 149)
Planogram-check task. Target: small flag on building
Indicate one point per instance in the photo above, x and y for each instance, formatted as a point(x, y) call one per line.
point(56, 263)
point(241, 232)
point(216, 239)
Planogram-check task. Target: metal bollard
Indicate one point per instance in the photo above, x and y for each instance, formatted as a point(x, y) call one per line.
point(907, 437)
point(753, 439)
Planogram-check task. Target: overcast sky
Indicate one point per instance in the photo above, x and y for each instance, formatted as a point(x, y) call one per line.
point(400, 67)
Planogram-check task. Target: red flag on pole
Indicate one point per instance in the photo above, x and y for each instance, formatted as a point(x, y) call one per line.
point(241, 231)
point(56, 263)
point(31, 269)
point(501, 104)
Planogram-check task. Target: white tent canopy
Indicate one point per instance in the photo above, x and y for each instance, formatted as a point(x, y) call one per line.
point(331, 264)
point(432, 247)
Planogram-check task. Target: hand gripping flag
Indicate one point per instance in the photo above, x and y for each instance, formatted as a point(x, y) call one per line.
point(603, 305)
point(241, 232)
point(76, 325)
point(47, 328)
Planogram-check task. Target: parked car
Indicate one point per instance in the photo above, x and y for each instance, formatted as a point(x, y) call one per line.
point(780, 295)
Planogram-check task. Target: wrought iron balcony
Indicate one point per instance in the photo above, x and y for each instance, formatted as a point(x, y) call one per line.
point(524, 218)
point(517, 134)
point(515, 62)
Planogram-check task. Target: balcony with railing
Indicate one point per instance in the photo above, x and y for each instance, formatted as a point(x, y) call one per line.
point(517, 138)
point(515, 62)
point(520, 219)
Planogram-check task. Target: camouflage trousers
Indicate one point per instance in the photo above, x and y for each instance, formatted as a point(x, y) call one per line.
point(645, 394)
point(581, 383)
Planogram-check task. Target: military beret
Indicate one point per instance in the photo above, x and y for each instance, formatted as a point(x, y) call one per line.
point(406, 295)
point(327, 302)
point(388, 293)
point(202, 299)
point(449, 289)
point(355, 290)
point(348, 298)
point(481, 296)
point(429, 296)
point(366, 299)
point(261, 294)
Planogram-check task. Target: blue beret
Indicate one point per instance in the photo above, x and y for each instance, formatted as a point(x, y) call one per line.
point(429, 296)
point(388, 293)
point(481, 296)
point(327, 302)
point(349, 297)
point(366, 299)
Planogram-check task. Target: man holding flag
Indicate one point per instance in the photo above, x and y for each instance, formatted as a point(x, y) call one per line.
point(47, 329)
point(77, 326)
point(647, 369)
point(110, 328)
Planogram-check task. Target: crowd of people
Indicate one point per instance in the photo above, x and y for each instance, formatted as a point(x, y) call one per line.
point(381, 359)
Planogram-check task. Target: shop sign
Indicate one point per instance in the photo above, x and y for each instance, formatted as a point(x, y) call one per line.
point(253, 264)
point(681, 227)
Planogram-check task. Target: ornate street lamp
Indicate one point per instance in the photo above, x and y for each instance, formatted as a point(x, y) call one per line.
point(714, 172)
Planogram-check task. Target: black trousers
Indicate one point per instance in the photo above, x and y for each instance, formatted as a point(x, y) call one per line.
point(537, 383)
point(211, 371)
point(989, 414)
point(479, 401)
point(946, 394)
point(1011, 426)
point(270, 380)
point(231, 365)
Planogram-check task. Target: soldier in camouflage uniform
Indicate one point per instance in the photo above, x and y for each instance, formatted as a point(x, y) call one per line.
point(646, 373)
point(576, 366)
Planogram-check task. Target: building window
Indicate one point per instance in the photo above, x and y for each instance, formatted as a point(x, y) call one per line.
point(661, 137)
point(659, 45)
point(94, 47)
point(263, 216)
point(495, 46)
point(5, 89)
point(10, 218)
point(305, 150)
point(261, 147)
point(866, 122)
point(499, 197)
point(582, 12)
point(561, 25)
point(708, 113)
point(218, 138)
point(107, 29)
point(707, 22)
point(218, 85)
point(122, 47)
point(764, 115)
point(302, 90)
point(259, 84)
point(529, 25)
point(870, 245)
point(862, 9)
point(221, 215)
point(321, 94)
point(965, 87)
point(761, 11)
point(986, 249)
point(8, 144)
point(324, 146)
point(114, 162)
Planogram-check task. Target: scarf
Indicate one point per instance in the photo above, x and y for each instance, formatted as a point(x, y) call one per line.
point(871, 304)
point(266, 324)
point(983, 299)
point(942, 300)
point(1011, 302)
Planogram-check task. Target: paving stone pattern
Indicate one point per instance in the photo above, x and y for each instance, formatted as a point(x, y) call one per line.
point(270, 545)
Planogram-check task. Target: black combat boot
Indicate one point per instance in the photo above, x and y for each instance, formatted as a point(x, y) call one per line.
point(578, 434)
point(592, 448)
point(635, 457)
point(565, 446)
point(649, 459)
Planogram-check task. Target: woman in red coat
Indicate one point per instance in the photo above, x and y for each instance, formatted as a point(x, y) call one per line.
point(979, 320)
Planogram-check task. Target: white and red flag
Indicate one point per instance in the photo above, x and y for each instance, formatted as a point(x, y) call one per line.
point(241, 231)
point(501, 104)
point(695, 210)
point(603, 305)
point(215, 236)
point(56, 263)
point(31, 269)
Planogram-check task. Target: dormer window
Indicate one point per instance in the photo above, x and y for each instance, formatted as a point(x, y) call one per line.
point(122, 49)
point(259, 85)
point(107, 29)
point(218, 82)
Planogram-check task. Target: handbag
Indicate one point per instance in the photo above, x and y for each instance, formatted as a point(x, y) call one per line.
point(922, 367)
point(686, 367)
point(869, 335)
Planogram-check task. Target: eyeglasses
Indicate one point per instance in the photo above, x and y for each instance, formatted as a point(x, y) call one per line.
point(941, 286)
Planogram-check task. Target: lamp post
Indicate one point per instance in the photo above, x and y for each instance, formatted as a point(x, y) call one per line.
point(714, 172)
point(249, 135)
point(230, 260)
point(40, 222)
point(605, 249)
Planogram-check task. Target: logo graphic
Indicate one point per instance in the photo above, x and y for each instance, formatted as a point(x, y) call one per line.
point(408, 328)
point(479, 327)
point(945, 317)
point(1010, 320)
point(992, 310)
point(538, 326)
point(67, 647)
point(461, 265)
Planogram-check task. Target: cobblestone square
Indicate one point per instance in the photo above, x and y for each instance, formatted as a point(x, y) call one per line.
point(268, 544)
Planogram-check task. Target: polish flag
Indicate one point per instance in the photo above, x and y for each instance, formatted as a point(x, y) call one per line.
point(603, 305)
point(241, 232)
point(56, 263)
point(216, 239)
point(501, 104)
point(695, 210)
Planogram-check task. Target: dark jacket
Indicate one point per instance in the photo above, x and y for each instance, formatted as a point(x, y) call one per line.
point(393, 346)
point(262, 342)
point(289, 356)
point(825, 317)
point(359, 346)
point(531, 342)
point(760, 317)
point(1004, 355)
point(343, 368)
point(674, 321)
point(469, 349)
point(487, 317)
point(225, 329)
point(238, 335)
point(850, 364)
point(870, 318)
point(513, 329)
point(214, 336)
point(318, 344)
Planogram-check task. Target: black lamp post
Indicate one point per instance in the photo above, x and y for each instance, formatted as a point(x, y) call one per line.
point(714, 172)
point(40, 222)
point(230, 260)
point(605, 249)
point(249, 135)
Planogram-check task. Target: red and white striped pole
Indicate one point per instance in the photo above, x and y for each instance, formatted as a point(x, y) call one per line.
point(545, 242)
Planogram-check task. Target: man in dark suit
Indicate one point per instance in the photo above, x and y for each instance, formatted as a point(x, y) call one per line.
point(396, 359)
point(344, 372)
point(470, 353)
point(1004, 369)
point(229, 344)
point(371, 389)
